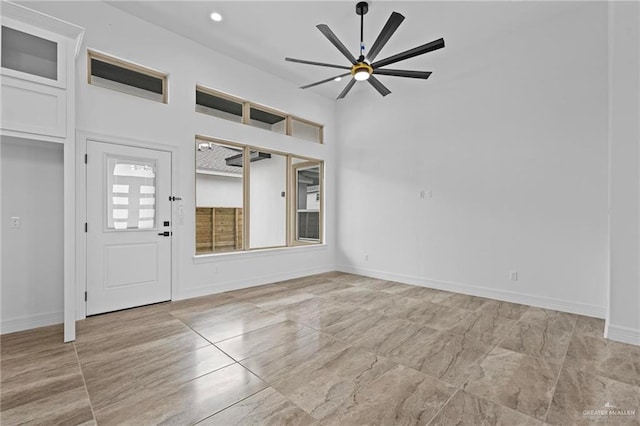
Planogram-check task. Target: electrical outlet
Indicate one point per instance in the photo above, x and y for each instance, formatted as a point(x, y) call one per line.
point(15, 222)
point(430, 194)
point(366, 257)
point(513, 275)
point(422, 193)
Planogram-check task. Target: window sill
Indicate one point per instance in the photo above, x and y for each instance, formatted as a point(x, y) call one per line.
point(238, 255)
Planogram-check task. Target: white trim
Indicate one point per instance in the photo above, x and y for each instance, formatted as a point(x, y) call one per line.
point(623, 334)
point(257, 252)
point(28, 322)
point(246, 283)
point(507, 296)
point(214, 173)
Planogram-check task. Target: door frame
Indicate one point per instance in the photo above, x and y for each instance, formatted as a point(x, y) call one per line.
point(75, 305)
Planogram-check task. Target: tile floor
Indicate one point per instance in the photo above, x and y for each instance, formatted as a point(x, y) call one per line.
point(334, 349)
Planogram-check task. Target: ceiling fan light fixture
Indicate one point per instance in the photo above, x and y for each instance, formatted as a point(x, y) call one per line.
point(361, 71)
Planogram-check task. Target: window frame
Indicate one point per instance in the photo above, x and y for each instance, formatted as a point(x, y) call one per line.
point(112, 60)
point(246, 113)
point(222, 95)
point(293, 209)
point(290, 196)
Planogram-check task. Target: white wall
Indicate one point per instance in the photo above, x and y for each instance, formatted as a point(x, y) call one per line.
point(510, 135)
point(32, 255)
point(623, 322)
point(106, 112)
point(218, 191)
point(268, 209)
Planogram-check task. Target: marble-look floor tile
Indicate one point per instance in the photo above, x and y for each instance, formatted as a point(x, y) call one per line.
point(517, 381)
point(353, 328)
point(448, 357)
point(588, 326)
point(278, 301)
point(325, 315)
point(355, 296)
point(133, 337)
point(293, 357)
point(56, 407)
point(486, 328)
point(99, 364)
point(31, 342)
point(391, 305)
point(422, 293)
point(304, 282)
point(197, 304)
point(434, 315)
point(250, 292)
point(319, 289)
point(371, 283)
point(603, 357)
point(546, 318)
point(346, 278)
point(399, 340)
point(465, 301)
point(223, 328)
point(327, 383)
point(254, 342)
point(189, 403)
point(12, 396)
point(161, 374)
point(550, 343)
point(216, 312)
point(584, 398)
point(465, 409)
point(401, 396)
point(503, 309)
point(33, 366)
point(113, 323)
point(266, 407)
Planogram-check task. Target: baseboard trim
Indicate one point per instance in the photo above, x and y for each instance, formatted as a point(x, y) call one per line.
point(623, 334)
point(28, 322)
point(245, 283)
point(507, 296)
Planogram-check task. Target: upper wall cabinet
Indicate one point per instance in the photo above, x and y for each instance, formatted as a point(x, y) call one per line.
point(37, 74)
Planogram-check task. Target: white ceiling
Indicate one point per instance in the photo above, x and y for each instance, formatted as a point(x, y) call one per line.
point(264, 33)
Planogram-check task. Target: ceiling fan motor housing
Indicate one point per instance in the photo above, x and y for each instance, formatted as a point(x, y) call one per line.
point(362, 8)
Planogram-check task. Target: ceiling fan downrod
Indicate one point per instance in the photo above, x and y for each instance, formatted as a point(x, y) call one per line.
point(361, 9)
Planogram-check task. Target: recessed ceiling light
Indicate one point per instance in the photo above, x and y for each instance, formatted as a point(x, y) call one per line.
point(215, 16)
point(337, 79)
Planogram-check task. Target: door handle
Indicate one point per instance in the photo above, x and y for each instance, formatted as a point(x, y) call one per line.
point(164, 234)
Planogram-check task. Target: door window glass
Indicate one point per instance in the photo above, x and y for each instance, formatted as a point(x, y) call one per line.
point(131, 188)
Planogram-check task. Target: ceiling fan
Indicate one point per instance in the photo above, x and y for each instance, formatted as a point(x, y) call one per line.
point(364, 67)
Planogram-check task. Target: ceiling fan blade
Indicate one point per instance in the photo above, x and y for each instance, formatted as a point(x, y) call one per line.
point(378, 86)
point(321, 64)
point(420, 50)
point(324, 81)
point(389, 28)
point(324, 29)
point(346, 89)
point(403, 73)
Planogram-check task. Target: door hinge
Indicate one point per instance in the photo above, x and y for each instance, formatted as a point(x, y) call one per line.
point(86, 158)
point(85, 296)
point(86, 227)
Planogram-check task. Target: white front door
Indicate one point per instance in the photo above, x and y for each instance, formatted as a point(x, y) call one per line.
point(128, 227)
